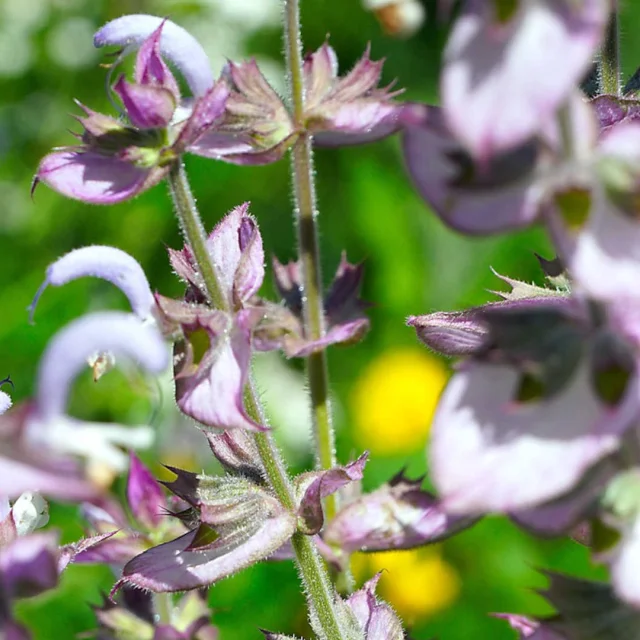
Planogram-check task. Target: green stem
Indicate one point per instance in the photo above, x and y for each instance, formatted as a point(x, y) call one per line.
point(610, 56)
point(163, 606)
point(308, 245)
point(313, 572)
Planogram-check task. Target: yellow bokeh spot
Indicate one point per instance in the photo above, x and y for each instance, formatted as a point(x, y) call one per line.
point(394, 400)
point(416, 583)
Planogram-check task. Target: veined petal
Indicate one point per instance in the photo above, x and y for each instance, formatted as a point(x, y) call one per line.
point(502, 195)
point(235, 246)
point(177, 566)
point(109, 263)
point(67, 353)
point(207, 110)
point(491, 453)
point(487, 94)
point(398, 515)
point(95, 178)
point(348, 110)
point(176, 44)
point(360, 124)
point(320, 71)
point(237, 148)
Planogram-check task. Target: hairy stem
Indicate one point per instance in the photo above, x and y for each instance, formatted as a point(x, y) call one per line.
point(610, 56)
point(308, 246)
point(312, 569)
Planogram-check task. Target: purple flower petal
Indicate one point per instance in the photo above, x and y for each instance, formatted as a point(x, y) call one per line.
point(530, 629)
point(237, 148)
point(312, 487)
point(95, 178)
point(14, 631)
point(606, 262)
point(451, 333)
point(108, 263)
point(398, 515)
point(213, 393)
point(237, 452)
point(207, 111)
point(376, 618)
point(348, 110)
point(491, 453)
point(466, 333)
point(67, 353)
point(144, 495)
point(176, 44)
point(29, 565)
point(560, 516)
point(612, 110)
point(151, 69)
point(473, 200)
point(235, 246)
point(177, 566)
point(24, 467)
point(147, 107)
point(487, 94)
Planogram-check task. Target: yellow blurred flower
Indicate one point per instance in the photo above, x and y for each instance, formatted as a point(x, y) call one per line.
point(416, 583)
point(394, 399)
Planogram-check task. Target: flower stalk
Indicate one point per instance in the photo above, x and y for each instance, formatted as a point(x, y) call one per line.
point(308, 246)
point(312, 569)
point(610, 55)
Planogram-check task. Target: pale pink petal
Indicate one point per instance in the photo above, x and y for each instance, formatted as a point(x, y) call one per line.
point(95, 178)
point(488, 94)
point(491, 453)
point(504, 194)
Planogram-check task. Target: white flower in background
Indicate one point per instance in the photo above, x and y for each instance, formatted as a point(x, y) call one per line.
point(401, 18)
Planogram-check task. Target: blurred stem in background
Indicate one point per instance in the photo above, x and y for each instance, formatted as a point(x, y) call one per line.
point(308, 246)
point(318, 588)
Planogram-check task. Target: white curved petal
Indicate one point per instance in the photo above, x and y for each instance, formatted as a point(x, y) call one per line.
point(177, 45)
point(109, 263)
point(489, 453)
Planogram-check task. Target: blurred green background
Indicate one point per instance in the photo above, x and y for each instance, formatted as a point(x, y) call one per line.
point(384, 387)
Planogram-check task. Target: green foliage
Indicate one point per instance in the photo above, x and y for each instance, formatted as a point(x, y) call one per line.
point(413, 265)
